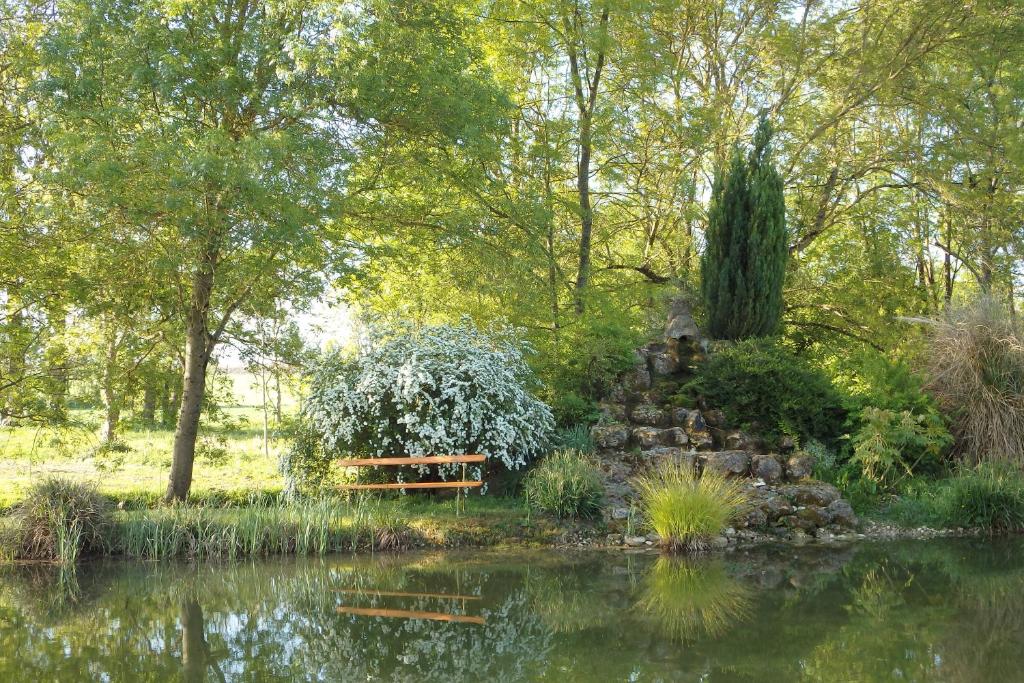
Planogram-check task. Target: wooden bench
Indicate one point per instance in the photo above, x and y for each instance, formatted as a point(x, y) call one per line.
point(422, 460)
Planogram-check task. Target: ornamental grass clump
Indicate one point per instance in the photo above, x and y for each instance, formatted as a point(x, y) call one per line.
point(59, 520)
point(566, 484)
point(975, 369)
point(686, 509)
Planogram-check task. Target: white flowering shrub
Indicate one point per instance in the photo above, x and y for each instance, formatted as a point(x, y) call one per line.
point(442, 390)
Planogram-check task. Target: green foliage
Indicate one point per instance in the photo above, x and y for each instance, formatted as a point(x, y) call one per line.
point(689, 600)
point(763, 386)
point(890, 445)
point(59, 520)
point(575, 438)
point(989, 497)
point(685, 509)
point(566, 484)
point(744, 262)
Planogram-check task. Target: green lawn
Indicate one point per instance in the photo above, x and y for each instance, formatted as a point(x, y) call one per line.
point(231, 459)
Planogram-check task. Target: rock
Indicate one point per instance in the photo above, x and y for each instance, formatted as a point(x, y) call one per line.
point(719, 542)
point(680, 325)
point(652, 537)
point(647, 414)
point(738, 440)
point(680, 416)
point(664, 364)
point(754, 518)
point(786, 444)
point(799, 466)
point(675, 436)
point(635, 541)
point(695, 422)
point(775, 507)
point(613, 539)
point(617, 393)
point(647, 437)
point(639, 379)
point(766, 467)
point(817, 516)
point(610, 435)
point(612, 412)
point(799, 536)
point(620, 513)
point(714, 418)
point(662, 453)
point(842, 513)
point(817, 493)
point(728, 462)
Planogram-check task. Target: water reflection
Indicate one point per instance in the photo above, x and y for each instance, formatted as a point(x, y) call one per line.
point(924, 612)
point(691, 598)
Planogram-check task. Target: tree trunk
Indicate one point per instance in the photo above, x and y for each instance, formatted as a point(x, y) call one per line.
point(586, 212)
point(198, 347)
point(194, 650)
point(111, 401)
point(277, 397)
point(149, 401)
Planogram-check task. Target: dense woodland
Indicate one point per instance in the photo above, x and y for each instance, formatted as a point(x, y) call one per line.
point(178, 178)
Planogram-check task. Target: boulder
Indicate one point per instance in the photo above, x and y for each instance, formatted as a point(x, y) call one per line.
point(754, 518)
point(647, 437)
point(664, 364)
point(842, 513)
point(635, 541)
point(675, 436)
point(817, 493)
point(766, 467)
point(695, 422)
point(661, 453)
point(697, 431)
point(680, 416)
point(738, 440)
point(613, 412)
point(735, 463)
point(620, 513)
point(818, 516)
point(799, 466)
point(786, 444)
point(775, 507)
point(610, 436)
point(648, 414)
point(639, 379)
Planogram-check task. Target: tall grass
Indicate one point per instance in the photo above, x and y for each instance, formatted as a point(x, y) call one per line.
point(566, 484)
point(685, 509)
point(59, 520)
point(987, 497)
point(313, 527)
point(976, 373)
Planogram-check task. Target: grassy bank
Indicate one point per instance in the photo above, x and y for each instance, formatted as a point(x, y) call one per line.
point(276, 527)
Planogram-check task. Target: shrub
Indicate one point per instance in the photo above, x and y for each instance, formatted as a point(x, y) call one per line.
point(988, 497)
point(976, 372)
point(437, 390)
point(59, 520)
point(761, 385)
point(685, 509)
point(566, 484)
point(575, 438)
point(890, 445)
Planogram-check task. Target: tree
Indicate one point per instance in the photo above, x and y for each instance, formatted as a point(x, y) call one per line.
point(744, 263)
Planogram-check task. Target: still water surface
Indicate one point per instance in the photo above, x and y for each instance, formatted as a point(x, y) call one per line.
point(908, 611)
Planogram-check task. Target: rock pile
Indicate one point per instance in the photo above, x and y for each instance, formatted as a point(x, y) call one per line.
point(640, 427)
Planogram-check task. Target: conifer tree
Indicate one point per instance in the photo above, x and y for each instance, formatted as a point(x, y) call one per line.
point(744, 262)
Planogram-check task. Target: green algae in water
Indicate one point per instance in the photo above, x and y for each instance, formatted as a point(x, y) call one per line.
point(907, 611)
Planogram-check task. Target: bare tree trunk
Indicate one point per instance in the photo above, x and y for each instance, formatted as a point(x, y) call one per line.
point(149, 401)
point(277, 397)
point(198, 348)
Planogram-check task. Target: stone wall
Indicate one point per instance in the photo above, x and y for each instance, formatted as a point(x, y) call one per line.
point(640, 426)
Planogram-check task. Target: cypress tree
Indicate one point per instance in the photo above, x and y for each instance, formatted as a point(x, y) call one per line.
point(744, 261)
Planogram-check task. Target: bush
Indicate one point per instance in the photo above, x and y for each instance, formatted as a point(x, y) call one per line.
point(566, 484)
point(976, 372)
point(988, 497)
point(762, 386)
point(890, 445)
point(438, 390)
point(59, 520)
point(685, 509)
point(575, 438)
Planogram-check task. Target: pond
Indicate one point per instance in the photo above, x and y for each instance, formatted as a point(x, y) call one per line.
point(906, 611)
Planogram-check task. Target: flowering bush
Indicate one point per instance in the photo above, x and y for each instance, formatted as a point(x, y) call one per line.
point(447, 389)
